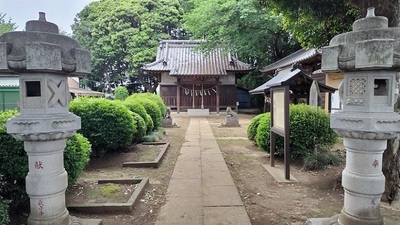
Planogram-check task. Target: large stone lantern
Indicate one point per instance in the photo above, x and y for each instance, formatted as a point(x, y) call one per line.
point(369, 57)
point(44, 59)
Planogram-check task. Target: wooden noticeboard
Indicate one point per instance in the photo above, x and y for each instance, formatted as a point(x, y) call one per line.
point(280, 124)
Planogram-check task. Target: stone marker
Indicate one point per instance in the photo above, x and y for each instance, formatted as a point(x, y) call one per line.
point(231, 119)
point(167, 120)
point(370, 60)
point(43, 59)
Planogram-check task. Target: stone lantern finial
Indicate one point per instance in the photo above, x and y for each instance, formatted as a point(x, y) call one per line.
point(42, 16)
point(370, 12)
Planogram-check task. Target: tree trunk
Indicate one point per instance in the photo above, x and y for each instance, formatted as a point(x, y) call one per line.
point(390, 164)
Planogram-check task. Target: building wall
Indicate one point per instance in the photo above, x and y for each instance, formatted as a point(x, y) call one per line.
point(9, 98)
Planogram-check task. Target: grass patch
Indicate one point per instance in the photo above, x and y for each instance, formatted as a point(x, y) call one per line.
point(150, 154)
point(110, 189)
point(320, 160)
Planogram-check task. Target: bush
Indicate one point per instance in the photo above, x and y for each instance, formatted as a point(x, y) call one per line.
point(320, 160)
point(154, 136)
point(107, 124)
point(137, 107)
point(121, 93)
point(4, 205)
point(151, 108)
point(141, 128)
point(252, 128)
point(76, 156)
point(309, 129)
point(155, 98)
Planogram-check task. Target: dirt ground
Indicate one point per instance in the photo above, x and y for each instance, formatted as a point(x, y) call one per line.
point(267, 202)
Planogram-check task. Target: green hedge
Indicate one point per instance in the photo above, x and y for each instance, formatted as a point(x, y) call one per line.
point(4, 205)
point(252, 128)
point(108, 125)
point(141, 128)
point(152, 108)
point(14, 162)
point(76, 156)
point(137, 107)
point(309, 128)
point(121, 93)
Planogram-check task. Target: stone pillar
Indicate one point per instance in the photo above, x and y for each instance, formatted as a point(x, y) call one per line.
point(44, 59)
point(369, 58)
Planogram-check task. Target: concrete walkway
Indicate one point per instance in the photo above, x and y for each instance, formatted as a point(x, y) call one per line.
point(201, 190)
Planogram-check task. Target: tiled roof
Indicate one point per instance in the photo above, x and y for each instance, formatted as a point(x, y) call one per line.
point(180, 57)
point(9, 81)
point(285, 75)
point(297, 57)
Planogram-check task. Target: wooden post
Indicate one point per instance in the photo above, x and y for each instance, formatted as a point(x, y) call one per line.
point(217, 95)
point(178, 96)
point(193, 96)
point(202, 96)
point(286, 136)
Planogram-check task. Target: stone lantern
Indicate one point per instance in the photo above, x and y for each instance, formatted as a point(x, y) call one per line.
point(369, 57)
point(44, 59)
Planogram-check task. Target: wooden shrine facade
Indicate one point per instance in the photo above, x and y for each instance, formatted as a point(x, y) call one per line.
point(189, 79)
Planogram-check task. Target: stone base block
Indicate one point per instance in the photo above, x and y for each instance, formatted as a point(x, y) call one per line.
point(198, 112)
point(78, 221)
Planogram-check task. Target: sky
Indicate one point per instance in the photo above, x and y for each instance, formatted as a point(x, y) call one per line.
point(60, 12)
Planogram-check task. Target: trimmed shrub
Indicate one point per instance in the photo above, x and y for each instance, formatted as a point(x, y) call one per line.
point(137, 107)
point(151, 108)
point(155, 98)
point(320, 160)
point(121, 93)
point(4, 205)
point(108, 125)
point(13, 163)
point(252, 128)
point(76, 156)
point(309, 129)
point(141, 128)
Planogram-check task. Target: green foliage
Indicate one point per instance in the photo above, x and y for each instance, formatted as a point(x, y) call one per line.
point(137, 107)
point(154, 97)
point(13, 163)
point(240, 26)
point(6, 26)
point(124, 34)
point(141, 128)
point(4, 205)
point(108, 125)
point(154, 136)
point(252, 128)
point(121, 93)
point(76, 156)
point(320, 160)
point(314, 23)
point(309, 129)
point(152, 108)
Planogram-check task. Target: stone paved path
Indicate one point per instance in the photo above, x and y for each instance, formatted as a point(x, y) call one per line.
point(201, 190)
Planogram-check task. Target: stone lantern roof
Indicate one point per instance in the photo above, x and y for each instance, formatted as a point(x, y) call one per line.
point(371, 44)
point(42, 49)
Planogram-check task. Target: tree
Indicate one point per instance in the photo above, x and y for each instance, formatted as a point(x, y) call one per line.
point(124, 34)
point(239, 26)
point(6, 26)
point(315, 22)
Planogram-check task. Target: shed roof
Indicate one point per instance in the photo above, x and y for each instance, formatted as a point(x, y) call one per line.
point(294, 77)
point(9, 81)
point(300, 56)
point(181, 58)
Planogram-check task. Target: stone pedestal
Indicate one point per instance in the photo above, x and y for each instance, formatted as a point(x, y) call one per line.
point(43, 59)
point(369, 58)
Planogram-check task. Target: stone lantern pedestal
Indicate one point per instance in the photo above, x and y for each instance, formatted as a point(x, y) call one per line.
point(44, 59)
point(370, 60)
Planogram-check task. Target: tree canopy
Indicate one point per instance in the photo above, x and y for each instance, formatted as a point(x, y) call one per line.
point(124, 34)
point(6, 25)
point(239, 26)
point(315, 22)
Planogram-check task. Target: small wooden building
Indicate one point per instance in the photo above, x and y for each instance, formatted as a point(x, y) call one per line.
point(191, 79)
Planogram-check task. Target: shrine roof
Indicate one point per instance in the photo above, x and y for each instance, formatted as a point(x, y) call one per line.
point(300, 56)
point(182, 58)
